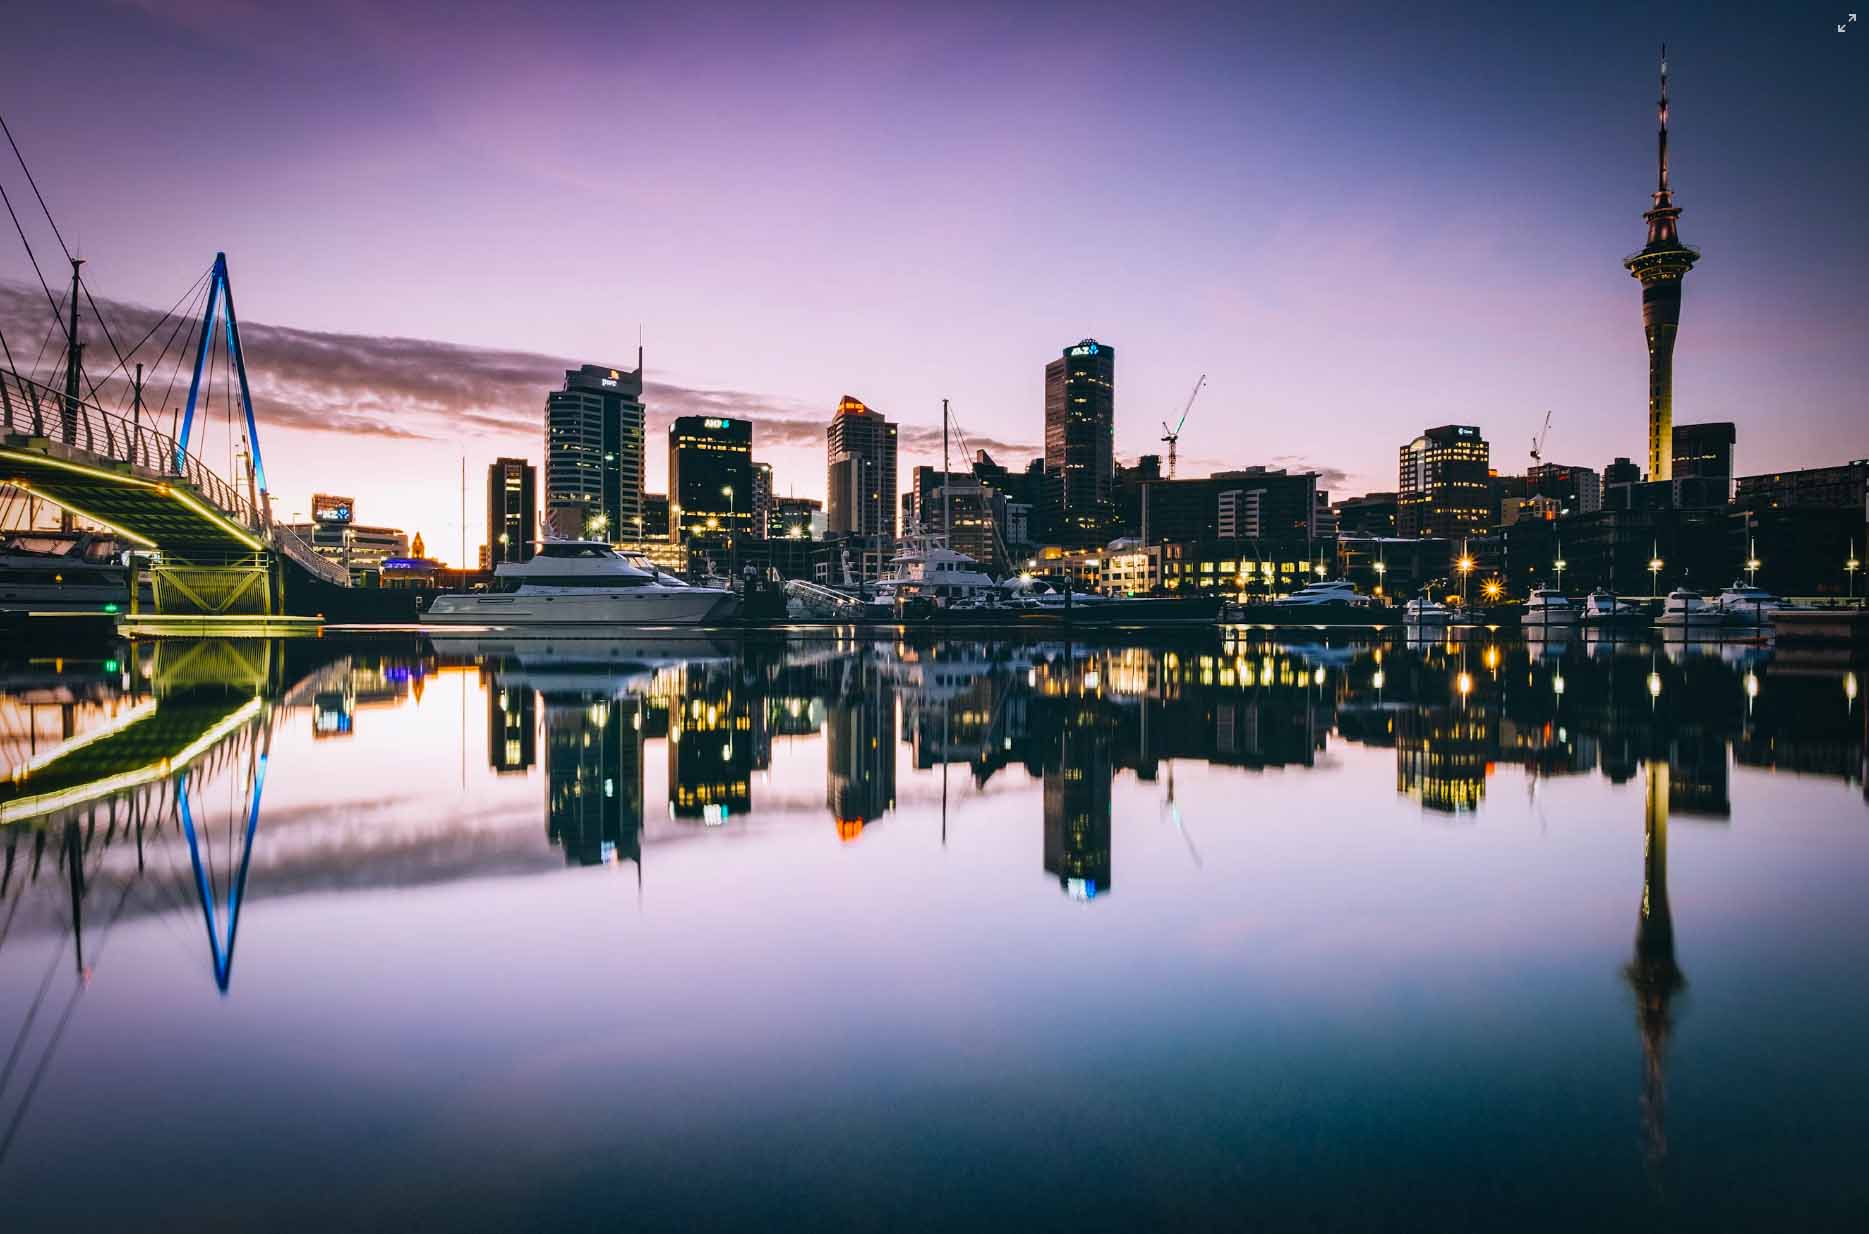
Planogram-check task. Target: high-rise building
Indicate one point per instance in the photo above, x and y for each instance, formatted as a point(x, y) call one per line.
point(1576, 490)
point(1080, 434)
point(512, 510)
point(1661, 265)
point(796, 518)
point(593, 453)
point(655, 516)
point(762, 499)
point(710, 476)
point(1444, 488)
point(1703, 463)
point(861, 480)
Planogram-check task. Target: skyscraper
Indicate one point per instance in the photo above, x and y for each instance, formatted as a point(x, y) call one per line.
point(593, 453)
point(512, 510)
point(1080, 432)
point(710, 476)
point(1660, 266)
point(762, 499)
point(861, 480)
point(1444, 490)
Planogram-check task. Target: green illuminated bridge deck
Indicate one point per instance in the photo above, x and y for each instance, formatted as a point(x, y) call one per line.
point(135, 481)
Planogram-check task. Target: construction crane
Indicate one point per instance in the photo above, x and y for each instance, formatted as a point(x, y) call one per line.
point(1173, 435)
point(1538, 442)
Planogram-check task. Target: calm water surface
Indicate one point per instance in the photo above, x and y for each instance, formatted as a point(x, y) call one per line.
point(807, 934)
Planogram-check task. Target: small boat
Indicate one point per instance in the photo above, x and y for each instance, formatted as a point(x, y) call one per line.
point(1746, 605)
point(1334, 592)
point(1547, 607)
point(1604, 610)
point(1689, 610)
point(581, 583)
point(62, 571)
point(1423, 613)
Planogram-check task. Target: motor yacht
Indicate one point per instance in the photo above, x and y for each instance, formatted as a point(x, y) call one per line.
point(1689, 610)
point(1333, 591)
point(1747, 605)
point(1547, 607)
point(582, 583)
point(926, 569)
point(62, 570)
point(1422, 612)
point(1604, 610)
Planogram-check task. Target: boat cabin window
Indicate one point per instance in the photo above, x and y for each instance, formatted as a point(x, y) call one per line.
point(589, 582)
point(562, 551)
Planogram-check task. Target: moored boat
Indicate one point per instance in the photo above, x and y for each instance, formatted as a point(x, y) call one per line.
point(581, 583)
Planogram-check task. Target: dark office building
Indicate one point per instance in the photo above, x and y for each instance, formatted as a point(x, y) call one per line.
point(793, 518)
point(1813, 486)
point(512, 510)
point(593, 453)
point(860, 448)
point(1370, 515)
point(762, 498)
point(1445, 488)
point(1577, 490)
point(1703, 463)
point(710, 476)
point(1080, 435)
point(655, 516)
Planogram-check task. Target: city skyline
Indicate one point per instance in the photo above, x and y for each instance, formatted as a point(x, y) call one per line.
point(1311, 193)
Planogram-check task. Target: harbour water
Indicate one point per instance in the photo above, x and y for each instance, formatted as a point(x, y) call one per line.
point(801, 932)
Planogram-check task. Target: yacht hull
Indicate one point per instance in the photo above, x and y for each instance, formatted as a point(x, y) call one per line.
point(636, 606)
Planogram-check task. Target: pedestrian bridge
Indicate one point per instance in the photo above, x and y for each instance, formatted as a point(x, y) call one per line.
point(212, 548)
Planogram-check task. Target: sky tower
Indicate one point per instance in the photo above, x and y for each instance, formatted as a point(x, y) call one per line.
point(1661, 265)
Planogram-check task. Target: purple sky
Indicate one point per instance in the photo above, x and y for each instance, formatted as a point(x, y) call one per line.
point(1357, 223)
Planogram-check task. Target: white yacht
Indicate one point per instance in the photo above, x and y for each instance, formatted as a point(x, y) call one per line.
point(927, 569)
point(1745, 604)
point(1547, 606)
point(1334, 591)
point(62, 570)
point(582, 583)
point(1689, 610)
point(1423, 613)
point(1605, 609)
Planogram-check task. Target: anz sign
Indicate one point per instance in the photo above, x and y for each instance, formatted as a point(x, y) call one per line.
point(1085, 348)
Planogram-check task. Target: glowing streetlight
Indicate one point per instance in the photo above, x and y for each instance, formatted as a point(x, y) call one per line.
point(1382, 568)
point(1850, 567)
point(1493, 589)
point(1465, 566)
point(1654, 576)
point(1559, 565)
point(1752, 569)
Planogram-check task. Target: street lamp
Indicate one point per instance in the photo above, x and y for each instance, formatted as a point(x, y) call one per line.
point(1465, 565)
point(1382, 568)
point(1560, 563)
point(726, 490)
point(1752, 570)
point(1850, 567)
point(1654, 576)
point(1492, 589)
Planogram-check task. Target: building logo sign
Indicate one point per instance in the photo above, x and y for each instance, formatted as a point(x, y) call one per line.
point(716, 422)
point(608, 381)
point(329, 509)
point(1084, 349)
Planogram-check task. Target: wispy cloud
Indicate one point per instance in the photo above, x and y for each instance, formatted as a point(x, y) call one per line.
point(363, 385)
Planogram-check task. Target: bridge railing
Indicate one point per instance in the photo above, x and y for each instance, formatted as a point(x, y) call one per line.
point(36, 409)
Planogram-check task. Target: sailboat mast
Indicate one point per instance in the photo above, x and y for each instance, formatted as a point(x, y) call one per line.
point(946, 528)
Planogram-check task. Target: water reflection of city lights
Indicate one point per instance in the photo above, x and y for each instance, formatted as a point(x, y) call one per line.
point(1557, 684)
point(1849, 686)
point(1752, 685)
point(1376, 680)
point(1318, 676)
point(1654, 685)
point(1464, 683)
